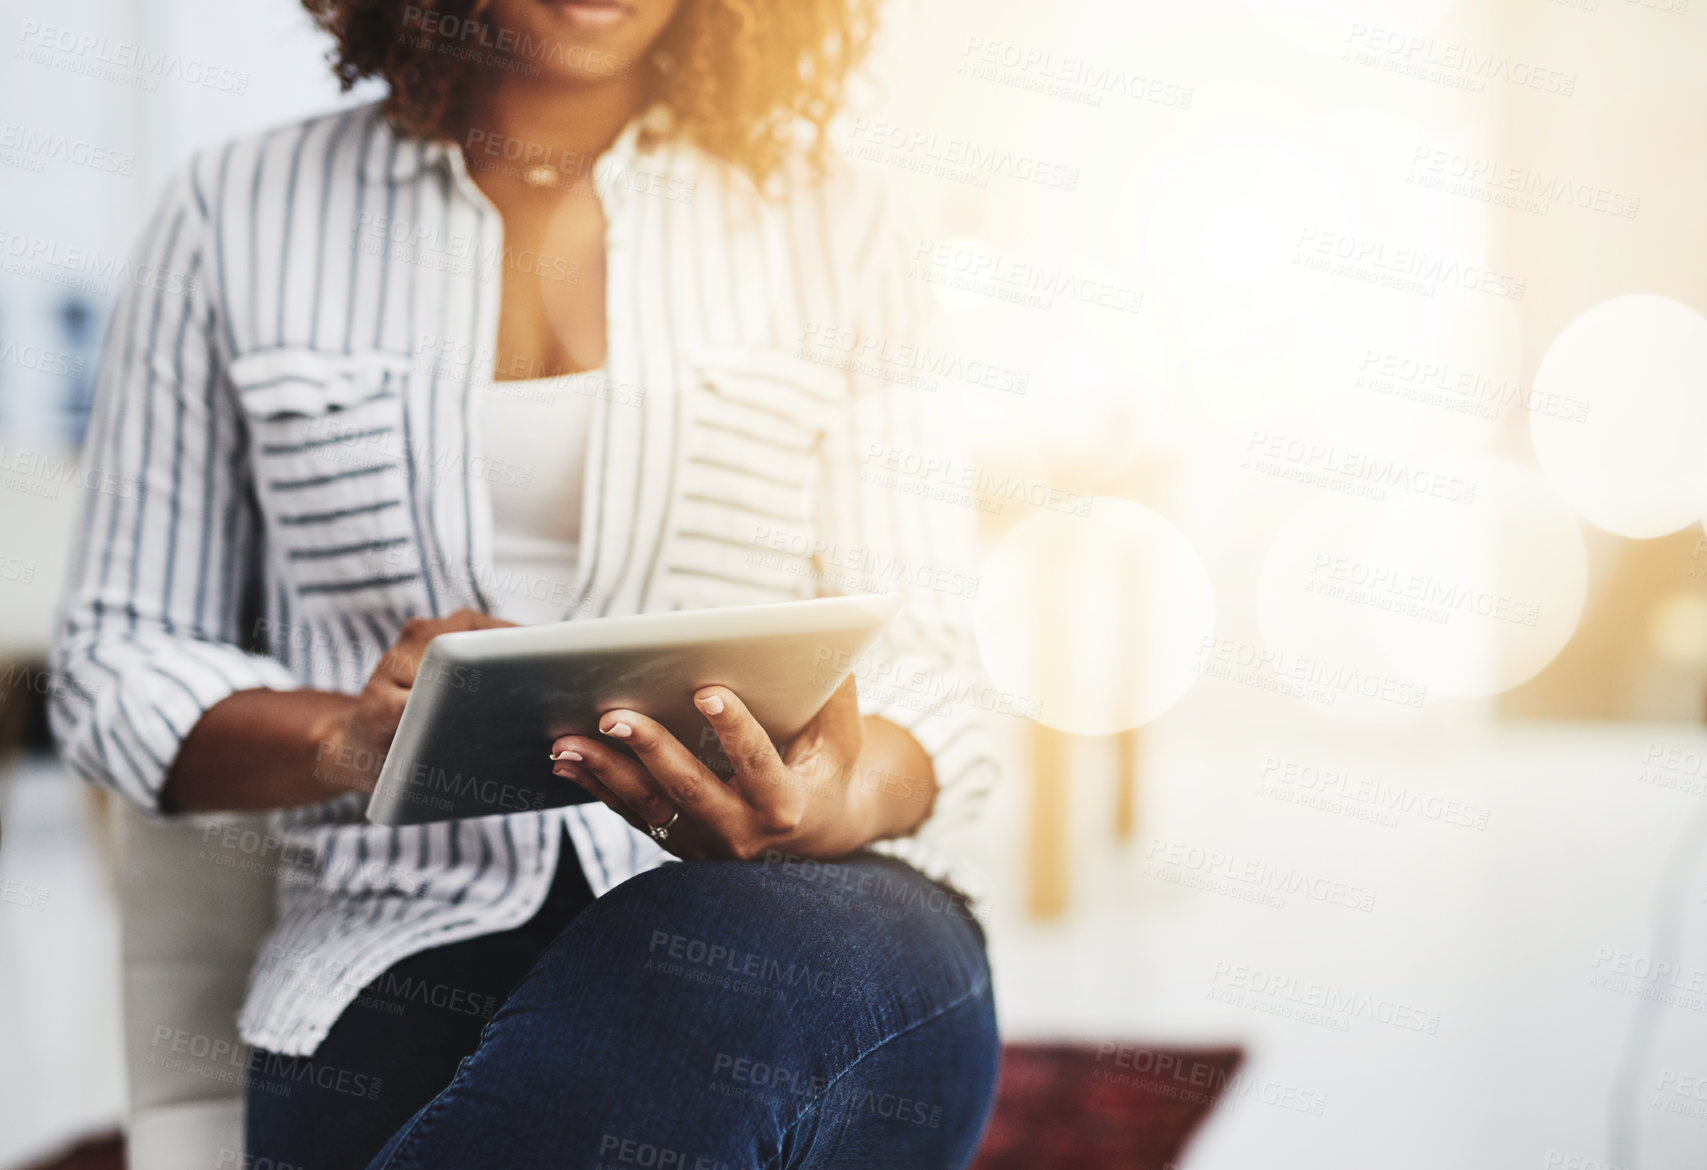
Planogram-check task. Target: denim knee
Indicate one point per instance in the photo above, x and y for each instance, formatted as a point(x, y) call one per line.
point(856, 950)
point(869, 919)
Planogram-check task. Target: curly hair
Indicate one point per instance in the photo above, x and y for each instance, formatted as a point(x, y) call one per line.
point(751, 81)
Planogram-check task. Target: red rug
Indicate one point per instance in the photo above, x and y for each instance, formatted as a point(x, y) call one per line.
point(1107, 1107)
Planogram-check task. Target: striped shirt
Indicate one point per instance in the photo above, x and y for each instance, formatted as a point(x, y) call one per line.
point(286, 465)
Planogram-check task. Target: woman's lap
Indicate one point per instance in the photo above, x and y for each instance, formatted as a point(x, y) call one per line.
point(397, 1045)
point(385, 1057)
point(723, 1014)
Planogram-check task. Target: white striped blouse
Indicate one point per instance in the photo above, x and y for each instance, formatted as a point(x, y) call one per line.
point(287, 443)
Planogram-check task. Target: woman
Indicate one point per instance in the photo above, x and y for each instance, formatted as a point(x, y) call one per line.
point(560, 328)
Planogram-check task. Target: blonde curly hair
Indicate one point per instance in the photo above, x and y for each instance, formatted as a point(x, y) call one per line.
point(751, 81)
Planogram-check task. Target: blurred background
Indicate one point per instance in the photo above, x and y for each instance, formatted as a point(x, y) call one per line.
point(1338, 389)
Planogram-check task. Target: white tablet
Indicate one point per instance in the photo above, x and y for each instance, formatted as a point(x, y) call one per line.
point(475, 737)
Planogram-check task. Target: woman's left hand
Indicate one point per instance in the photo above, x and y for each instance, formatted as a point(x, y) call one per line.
point(796, 803)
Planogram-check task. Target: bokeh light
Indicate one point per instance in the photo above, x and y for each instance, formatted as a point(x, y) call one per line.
point(1618, 415)
point(1465, 589)
point(1096, 622)
point(1485, 591)
point(1318, 649)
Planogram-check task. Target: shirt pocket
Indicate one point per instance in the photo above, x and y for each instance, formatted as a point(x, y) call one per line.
point(332, 475)
point(743, 525)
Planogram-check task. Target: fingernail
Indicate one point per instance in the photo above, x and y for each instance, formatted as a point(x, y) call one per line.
point(712, 704)
point(620, 730)
point(568, 754)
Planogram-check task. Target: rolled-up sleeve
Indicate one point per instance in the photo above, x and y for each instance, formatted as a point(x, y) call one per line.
point(150, 630)
point(894, 516)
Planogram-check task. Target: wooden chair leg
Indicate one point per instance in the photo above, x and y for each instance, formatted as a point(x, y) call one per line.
point(1047, 855)
point(1126, 747)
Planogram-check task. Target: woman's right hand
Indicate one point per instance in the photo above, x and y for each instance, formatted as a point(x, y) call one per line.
point(262, 748)
point(350, 756)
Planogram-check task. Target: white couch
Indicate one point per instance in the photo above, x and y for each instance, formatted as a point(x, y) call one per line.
point(195, 899)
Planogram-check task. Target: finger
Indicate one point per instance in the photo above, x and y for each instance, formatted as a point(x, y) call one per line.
point(757, 767)
point(838, 724)
point(597, 791)
point(397, 666)
point(472, 619)
point(625, 777)
point(389, 701)
point(690, 787)
point(402, 661)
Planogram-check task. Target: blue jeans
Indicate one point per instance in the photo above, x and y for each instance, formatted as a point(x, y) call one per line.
point(701, 1016)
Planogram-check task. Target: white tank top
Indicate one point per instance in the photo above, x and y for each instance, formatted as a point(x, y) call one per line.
point(534, 435)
